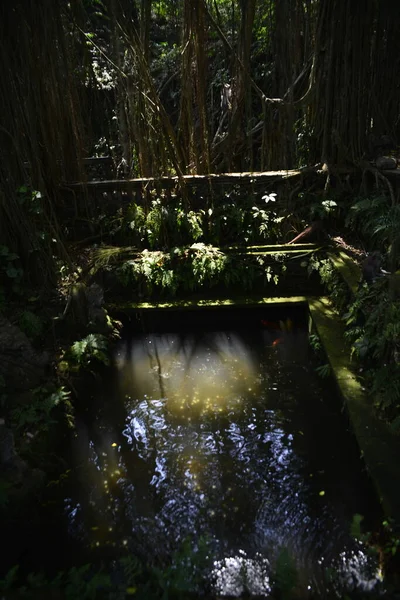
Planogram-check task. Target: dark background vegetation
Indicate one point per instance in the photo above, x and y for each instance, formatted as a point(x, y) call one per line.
point(191, 87)
point(310, 82)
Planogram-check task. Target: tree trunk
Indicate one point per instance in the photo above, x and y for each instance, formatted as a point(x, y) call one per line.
point(193, 121)
point(341, 106)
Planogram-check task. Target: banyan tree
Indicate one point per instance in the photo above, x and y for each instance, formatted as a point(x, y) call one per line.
point(184, 87)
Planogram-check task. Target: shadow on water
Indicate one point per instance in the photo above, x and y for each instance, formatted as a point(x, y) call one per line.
point(223, 433)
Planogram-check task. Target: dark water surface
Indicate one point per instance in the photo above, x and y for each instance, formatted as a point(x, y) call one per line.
point(222, 433)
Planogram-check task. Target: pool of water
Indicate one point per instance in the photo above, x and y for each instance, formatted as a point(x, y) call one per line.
point(217, 433)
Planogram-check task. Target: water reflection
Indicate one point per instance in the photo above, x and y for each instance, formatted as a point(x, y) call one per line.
point(231, 438)
point(201, 375)
point(237, 575)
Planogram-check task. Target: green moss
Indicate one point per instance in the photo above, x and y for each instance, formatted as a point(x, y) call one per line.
point(347, 268)
point(206, 303)
point(377, 444)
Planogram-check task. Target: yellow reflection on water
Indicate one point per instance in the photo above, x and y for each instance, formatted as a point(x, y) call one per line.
point(194, 375)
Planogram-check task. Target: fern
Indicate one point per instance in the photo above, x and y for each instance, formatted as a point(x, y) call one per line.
point(386, 387)
point(132, 569)
point(38, 412)
point(83, 585)
point(154, 222)
point(195, 224)
point(323, 371)
point(136, 219)
point(207, 262)
point(377, 219)
point(315, 343)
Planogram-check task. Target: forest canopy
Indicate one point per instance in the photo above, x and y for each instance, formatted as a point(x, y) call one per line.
point(184, 87)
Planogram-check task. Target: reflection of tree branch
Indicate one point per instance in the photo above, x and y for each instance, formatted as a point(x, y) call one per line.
point(188, 362)
point(238, 450)
point(160, 379)
point(197, 344)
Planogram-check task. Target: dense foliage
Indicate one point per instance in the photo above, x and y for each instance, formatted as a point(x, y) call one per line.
point(183, 87)
point(187, 87)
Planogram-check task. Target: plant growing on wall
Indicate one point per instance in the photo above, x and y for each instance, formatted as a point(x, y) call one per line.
point(373, 321)
point(92, 348)
point(377, 218)
point(191, 268)
point(229, 220)
point(330, 278)
point(39, 413)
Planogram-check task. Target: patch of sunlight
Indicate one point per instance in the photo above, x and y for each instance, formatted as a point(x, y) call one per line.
point(194, 377)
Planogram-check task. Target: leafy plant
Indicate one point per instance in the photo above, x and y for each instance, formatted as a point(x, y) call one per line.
point(229, 223)
point(207, 262)
point(163, 225)
point(378, 219)
point(267, 220)
point(93, 347)
point(135, 220)
point(80, 583)
point(149, 269)
point(192, 268)
point(330, 278)
point(185, 573)
point(392, 545)
point(373, 329)
point(179, 579)
point(373, 321)
point(324, 371)
point(321, 210)
point(31, 200)
point(315, 342)
point(155, 222)
point(38, 413)
point(386, 389)
point(231, 219)
point(194, 224)
point(374, 217)
point(132, 570)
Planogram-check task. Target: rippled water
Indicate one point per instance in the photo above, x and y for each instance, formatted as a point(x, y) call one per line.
point(228, 438)
point(224, 436)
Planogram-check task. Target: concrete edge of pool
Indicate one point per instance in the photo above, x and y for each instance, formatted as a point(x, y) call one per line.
point(200, 303)
point(377, 443)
